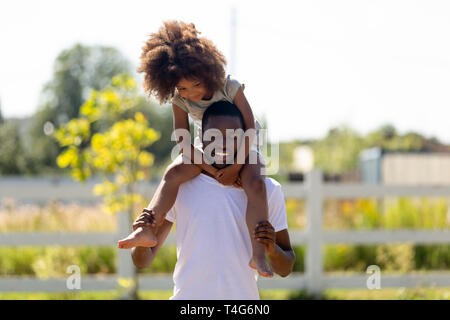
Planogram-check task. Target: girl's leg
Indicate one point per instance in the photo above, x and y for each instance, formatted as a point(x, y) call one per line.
point(254, 185)
point(162, 201)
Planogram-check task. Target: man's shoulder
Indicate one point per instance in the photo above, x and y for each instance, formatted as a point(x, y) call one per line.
point(202, 179)
point(272, 186)
point(272, 182)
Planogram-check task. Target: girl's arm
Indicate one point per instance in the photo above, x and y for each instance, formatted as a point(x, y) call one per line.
point(181, 121)
point(249, 121)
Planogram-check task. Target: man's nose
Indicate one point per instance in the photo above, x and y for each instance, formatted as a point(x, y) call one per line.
point(227, 146)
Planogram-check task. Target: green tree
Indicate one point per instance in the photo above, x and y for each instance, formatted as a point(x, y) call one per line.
point(338, 151)
point(41, 149)
point(12, 156)
point(77, 71)
point(1, 115)
point(109, 138)
point(387, 137)
point(162, 121)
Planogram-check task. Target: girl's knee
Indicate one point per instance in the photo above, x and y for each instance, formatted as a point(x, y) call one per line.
point(179, 172)
point(174, 173)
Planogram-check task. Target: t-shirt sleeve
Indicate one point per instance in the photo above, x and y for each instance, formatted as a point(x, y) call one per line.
point(231, 88)
point(178, 100)
point(277, 209)
point(171, 215)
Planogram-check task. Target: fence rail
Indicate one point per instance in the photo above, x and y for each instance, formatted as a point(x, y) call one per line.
point(314, 191)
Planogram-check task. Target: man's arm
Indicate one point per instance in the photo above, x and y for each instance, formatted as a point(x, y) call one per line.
point(278, 247)
point(282, 259)
point(143, 256)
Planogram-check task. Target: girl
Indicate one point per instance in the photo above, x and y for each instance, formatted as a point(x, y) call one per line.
point(189, 71)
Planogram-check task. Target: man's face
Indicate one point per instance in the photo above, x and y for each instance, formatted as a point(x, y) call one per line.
point(222, 123)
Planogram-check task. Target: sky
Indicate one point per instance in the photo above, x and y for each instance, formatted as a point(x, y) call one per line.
point(307, 66)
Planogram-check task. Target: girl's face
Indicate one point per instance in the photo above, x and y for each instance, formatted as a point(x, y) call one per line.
point(192, 89)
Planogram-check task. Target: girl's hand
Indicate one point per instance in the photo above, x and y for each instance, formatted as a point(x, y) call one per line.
point(265, 233)
point(238, 183)
point(228, 176)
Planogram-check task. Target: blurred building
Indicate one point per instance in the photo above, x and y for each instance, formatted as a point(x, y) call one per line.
point(430, 167)
point(303, 162)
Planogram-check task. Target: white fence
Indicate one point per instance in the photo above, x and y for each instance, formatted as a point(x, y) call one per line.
point(314, 191)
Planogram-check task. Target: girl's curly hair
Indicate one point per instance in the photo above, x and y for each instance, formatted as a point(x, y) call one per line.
point(176, 52)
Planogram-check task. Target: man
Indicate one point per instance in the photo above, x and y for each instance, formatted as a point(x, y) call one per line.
point(213, 245)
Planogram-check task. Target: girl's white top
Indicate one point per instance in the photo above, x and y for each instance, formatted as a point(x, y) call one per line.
point(196, 108)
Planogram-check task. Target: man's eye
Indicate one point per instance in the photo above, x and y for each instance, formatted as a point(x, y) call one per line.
point(197, 85)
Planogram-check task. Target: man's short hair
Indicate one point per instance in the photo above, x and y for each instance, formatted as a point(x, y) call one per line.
point(222, 108)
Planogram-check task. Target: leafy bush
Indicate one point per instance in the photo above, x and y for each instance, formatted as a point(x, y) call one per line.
point(357, 214)
point(164, 261)
point(46, 262)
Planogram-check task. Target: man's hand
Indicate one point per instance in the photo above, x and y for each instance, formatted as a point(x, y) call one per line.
point(265, 233)
point(229, 176)
point(146, 218)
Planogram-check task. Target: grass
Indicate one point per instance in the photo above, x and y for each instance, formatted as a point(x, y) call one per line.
point(399, 213)
point(55, 217)
point(389, 294)
point(281, 294)
point(412, 213)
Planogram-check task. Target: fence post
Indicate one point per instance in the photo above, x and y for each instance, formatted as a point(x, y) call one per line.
point(127, 275)
point(314, 209)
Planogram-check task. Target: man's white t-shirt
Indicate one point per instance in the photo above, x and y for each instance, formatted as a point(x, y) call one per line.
point(213, 242)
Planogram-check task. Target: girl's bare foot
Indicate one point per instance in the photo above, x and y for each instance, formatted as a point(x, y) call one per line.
point(141, 237)
point(261, 265)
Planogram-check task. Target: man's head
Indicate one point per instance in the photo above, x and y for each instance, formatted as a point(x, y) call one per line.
point(222, 115)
